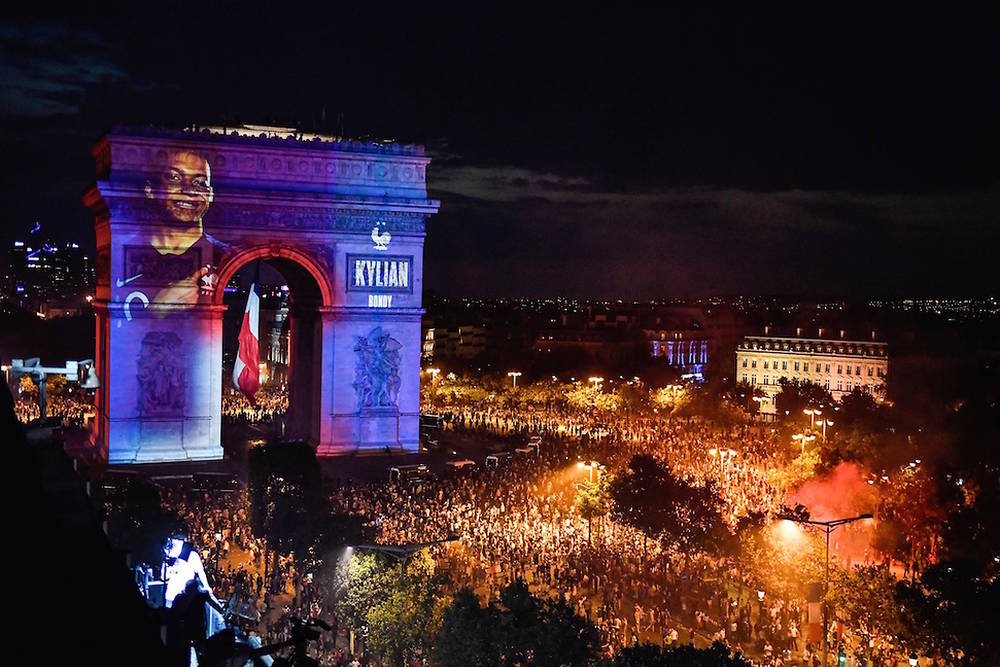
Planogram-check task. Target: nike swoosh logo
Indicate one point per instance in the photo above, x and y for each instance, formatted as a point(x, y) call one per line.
point(123, 283)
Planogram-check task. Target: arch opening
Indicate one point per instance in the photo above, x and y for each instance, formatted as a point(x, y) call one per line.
point(290, 340)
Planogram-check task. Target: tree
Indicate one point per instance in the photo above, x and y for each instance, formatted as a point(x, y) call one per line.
point(685, 655)
point(403, 624)
point(863, 597)
point(361, 581)
point(468, 633)
point(952, 612)
point(649, 497)
point(519, 629)
point(911, 518)
point(592, 500)
point(744, 393)
point(138, 522)
point(796, 395)
point(287, 507)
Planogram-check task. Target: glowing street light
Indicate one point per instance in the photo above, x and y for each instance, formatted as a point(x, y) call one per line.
point(813, 413)
point(515, 375)
point(803, 438)
point(723, 455)
point(590, 466)
point(596, 380)
point(825, 423)
point(827, 527)
point(434, 373)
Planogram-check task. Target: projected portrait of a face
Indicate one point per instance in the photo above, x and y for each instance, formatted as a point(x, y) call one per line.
point(184, 191)
point(178, 266)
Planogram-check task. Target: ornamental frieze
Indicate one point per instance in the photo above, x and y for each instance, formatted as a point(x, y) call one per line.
point(286, 217)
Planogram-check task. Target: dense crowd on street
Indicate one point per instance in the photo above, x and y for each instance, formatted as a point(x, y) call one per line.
point(71, 410)
point(519, 521)
point(270, 402)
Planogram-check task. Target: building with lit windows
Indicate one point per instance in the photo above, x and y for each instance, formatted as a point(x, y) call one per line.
point(837, 364)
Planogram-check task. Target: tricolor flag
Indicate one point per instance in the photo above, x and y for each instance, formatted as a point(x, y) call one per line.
point(246, 371)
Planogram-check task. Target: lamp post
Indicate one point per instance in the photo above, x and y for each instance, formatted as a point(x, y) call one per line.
point(723, 455)
point(590, 466)
point(825, 423)
point(803, 439)
point(434, 373)
point(596, 380)
point(813, 413)
point(72, 370)
point(402, 552)
point(515, 375)
point(827, 527)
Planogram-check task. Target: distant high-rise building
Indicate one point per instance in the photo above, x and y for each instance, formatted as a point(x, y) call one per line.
point(47, 273)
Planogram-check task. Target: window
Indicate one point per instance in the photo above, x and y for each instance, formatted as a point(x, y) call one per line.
point(848, 385)
point(826, 385)
point(828, 370)
point(753, 379)
point(840, 369)
point(869, 371)
point(857, 370)
point(744, 378)
point(765, 379)
point(765, 364)
point(753, 364)
point(840, 385)
point(805, 366)
point(784, 365)
point(881, 372)
point(848, 369)
point(796, 365)
point(744, 362)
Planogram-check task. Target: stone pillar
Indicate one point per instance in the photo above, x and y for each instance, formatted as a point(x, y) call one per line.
point(375, 427)
point(164, 381)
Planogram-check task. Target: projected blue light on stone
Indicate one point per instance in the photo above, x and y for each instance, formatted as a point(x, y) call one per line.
point(177, 214)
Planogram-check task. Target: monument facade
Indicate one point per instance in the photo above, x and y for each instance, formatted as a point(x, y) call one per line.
point(178, 213)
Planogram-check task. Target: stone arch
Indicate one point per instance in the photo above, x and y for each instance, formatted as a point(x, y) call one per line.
point(272, 253)
point(175, 210)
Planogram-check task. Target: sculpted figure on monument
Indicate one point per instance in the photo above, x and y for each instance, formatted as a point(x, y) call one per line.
point(161, 375)
point(376, 374)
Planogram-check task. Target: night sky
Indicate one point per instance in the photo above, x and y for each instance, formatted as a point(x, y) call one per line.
point(581, 154)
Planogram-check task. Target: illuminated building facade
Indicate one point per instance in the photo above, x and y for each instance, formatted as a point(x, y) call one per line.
point(178, 213)
point(838, 365)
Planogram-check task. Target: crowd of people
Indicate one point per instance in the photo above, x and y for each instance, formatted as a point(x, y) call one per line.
point(72, 409)
point(269, 403)
point(518, 520)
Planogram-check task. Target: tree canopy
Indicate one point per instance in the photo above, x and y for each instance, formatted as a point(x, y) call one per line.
point(649, 497)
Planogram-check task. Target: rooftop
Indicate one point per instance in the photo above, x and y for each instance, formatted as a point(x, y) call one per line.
point(269, 135)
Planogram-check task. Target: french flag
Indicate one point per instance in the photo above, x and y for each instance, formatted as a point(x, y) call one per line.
point(246, 371)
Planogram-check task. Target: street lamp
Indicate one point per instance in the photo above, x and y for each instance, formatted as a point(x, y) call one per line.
point(590, 466)
point(803, 438)
point(515, 375)
point(402, 552)
point(434, 373)
point(72, 370)
point(813, 413)
point(596, 380)
point(723, 454)
point(827, 527)
point(825, 423)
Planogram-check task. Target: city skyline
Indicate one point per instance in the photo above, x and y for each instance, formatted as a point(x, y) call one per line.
point(638, 157)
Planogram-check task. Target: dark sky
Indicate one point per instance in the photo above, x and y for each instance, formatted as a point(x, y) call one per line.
point(599, 154)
